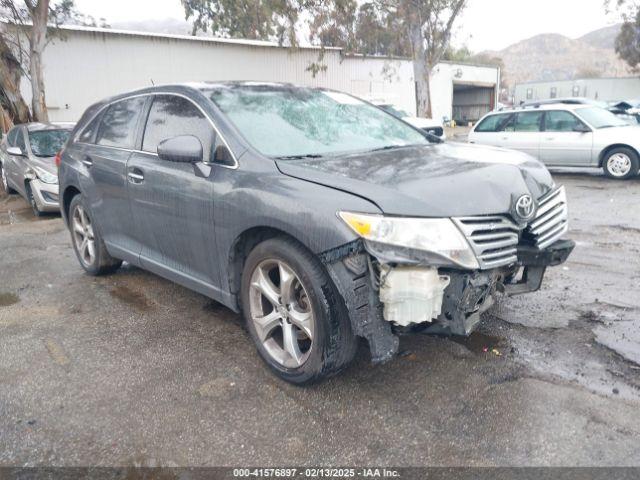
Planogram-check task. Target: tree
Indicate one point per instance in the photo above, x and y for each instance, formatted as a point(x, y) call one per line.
point(31, 26)
point(628, 40)
point(11, 100)
point(420, 29)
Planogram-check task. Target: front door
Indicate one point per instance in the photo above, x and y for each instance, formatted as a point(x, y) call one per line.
point(566, 140)
point(172, 207)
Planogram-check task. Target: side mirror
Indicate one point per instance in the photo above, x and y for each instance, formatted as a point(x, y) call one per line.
point(183, 149)
point(581, 128)
point(223, 156)
point(15, 151)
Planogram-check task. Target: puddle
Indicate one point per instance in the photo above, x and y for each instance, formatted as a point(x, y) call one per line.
point(135, 299)
point(7, 299)
point(479, 342)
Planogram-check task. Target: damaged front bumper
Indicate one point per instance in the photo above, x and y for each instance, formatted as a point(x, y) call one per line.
point(455, 300)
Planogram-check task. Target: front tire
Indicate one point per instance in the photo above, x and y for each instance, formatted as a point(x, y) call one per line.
point(87, 242)
point(32, 201)
point(294, 314)
point(621, 163)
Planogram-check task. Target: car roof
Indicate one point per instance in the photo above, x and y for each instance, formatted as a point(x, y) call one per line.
point(545, 106)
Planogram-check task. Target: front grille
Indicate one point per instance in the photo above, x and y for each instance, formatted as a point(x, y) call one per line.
point(434, 130)
point(494, 239)
point(551, 220)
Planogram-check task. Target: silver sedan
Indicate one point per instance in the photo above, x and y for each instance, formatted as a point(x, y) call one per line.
point(27, 163)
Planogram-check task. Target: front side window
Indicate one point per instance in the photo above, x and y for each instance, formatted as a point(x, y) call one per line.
point(171, 116)
point(47, 143)
point(492, 123)
point(11, 137)
point(89, 132)
point(118, 124)
point(524, 122)
point(561, 121)
point(281, 121)
point(20, 143)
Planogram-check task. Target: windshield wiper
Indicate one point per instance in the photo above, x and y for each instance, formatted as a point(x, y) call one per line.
point(299, 157)
point(393, 147)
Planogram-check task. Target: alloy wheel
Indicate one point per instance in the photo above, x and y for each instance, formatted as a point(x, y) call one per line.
point(619, 164)
point(83, 236)
point(281, 313)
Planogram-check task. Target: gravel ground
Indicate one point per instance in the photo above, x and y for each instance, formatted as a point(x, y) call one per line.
point(131, 369)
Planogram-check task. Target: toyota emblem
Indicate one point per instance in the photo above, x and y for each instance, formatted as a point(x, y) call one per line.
point(525, 207)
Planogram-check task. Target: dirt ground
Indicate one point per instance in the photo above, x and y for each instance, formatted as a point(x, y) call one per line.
point(132, 369)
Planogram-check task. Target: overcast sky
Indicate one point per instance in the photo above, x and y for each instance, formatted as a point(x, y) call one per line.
point(485, 25)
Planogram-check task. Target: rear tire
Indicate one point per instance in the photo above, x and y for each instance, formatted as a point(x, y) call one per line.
point(301, 303)
point(5, 182)
point(32, 201)
point(621, 163)
point(87, 241)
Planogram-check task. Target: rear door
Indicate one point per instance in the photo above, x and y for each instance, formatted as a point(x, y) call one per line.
point(104, 154)
point(523, 132)
point(562, 143)
point(173, 207)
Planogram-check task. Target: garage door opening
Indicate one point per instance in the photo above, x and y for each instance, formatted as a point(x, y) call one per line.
point(472, 101)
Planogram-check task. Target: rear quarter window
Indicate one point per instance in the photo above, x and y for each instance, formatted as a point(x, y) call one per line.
point(491, 123)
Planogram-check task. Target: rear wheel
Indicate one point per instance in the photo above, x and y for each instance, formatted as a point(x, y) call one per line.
point(87, 242)
point(5, 183)
point(621, 163)
point(32, 201)
point(294, 314)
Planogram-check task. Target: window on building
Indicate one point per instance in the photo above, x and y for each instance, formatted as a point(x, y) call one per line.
point(575, 91)
point(171, 116)
point(529, 93)
point(553, 93)
point(118, 125)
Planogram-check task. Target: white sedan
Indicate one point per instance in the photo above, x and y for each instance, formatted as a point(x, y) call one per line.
point(565, 136)
point(429, 125)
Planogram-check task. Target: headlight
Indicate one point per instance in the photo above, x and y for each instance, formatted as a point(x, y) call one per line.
point(436, 236)
point(45, 176)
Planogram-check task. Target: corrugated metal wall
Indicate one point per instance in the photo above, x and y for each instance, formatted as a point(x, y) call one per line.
point(90, 65)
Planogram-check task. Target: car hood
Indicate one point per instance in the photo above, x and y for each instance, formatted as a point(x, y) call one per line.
point(46, 163)
point(439, 180)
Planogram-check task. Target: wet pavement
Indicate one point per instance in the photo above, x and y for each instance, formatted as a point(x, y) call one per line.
point(132, 369)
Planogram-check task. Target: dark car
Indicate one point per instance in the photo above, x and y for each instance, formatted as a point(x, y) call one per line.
point(318, 216)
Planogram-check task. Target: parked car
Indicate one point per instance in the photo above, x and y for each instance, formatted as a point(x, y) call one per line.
point(565, 135)
point(318, 216)
point(429, 125)
point(27, 163)
point(629, 111)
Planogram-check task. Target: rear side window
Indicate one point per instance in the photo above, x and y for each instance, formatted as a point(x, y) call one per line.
point(171, 116)
point(118, 124)
point(491, 123)
point(560, 121)
point(525, 122)
point(89, 133)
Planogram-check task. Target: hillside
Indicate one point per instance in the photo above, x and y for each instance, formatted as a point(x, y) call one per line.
point(556, 57)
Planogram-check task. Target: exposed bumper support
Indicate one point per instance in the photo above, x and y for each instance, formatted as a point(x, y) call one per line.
point(534, 262)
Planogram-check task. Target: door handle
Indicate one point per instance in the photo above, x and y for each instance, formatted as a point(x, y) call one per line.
point(87, 161)
point(135, 175)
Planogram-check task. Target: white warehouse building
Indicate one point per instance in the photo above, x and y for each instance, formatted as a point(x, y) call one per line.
point(603, 89)
point(89, 64)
